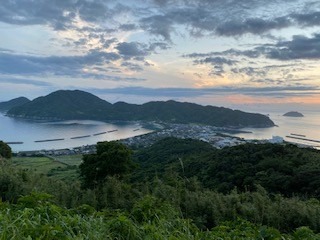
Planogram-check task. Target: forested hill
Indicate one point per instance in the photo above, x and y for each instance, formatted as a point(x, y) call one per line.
point(5, 106)
point(284, 169)
point(65, 104)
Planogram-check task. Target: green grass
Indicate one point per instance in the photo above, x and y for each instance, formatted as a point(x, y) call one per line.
point(39, 164)
point(70, 159)
point(50, 167)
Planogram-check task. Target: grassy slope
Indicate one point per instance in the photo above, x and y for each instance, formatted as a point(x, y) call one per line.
point(64, 168)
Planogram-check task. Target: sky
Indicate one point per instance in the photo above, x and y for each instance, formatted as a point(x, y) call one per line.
point(217, 52)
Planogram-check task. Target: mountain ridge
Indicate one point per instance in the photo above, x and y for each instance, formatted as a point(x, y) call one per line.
point(7, 105)
point(76, 104)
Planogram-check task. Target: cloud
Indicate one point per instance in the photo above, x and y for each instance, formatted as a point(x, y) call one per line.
point(137, 51)
point(132, 66)
point(251, 25)
point(226, 18)
point(218, 63)
point(300, 47)
point(307, 19)
point(158, 25)
point(215, 61)
point(276, 91)
point(128, 27)
point(161, 17)
point(56, 65)
point(58, 14)
point(132, 49)
point(25, 82)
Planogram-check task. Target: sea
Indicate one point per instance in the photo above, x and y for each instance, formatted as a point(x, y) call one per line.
point(35, 135)
point(307, 127)
point(77, 133)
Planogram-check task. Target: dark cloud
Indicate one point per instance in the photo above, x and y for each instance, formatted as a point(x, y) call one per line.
point(158, 45)
point(158, 25)
point(23, 12)
point(251, 25)
point(224, 18)
point(56, 13)
point(132, 49)
point(307, 19)
point(215, 61)
point(300, 47)
point(132, 66)
point(199, 17)
point(57, 65)
point(128, 27)
point(25, 82)
point(138, 51)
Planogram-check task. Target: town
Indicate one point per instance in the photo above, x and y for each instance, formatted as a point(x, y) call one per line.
point(216, 136)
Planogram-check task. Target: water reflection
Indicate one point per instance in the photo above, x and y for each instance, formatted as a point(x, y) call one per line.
point(63, 134)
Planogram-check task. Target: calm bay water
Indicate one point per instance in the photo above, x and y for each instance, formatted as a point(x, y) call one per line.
point(19, 130)
point(309, 125)
point(12, 130)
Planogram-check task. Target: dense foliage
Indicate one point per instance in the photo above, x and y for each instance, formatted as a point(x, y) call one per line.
point(35, 216)
point(178, 199)
point(111, 159)
point(284, 169)
point(5, 150)
point(82, 105)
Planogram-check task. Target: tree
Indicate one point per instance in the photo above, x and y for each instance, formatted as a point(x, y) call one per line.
point(5, 150)
point(112, 159)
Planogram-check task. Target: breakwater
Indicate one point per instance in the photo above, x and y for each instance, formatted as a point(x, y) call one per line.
point(304, 139)
point(85, 136)
point(49, 140)
point(97, 134)
point(297, 135)
point(14, 142)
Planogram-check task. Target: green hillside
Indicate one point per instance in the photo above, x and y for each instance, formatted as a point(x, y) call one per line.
point(63, 105)
point(284, 169)
point(5, 106)
point(186, 190)
point(77, 104)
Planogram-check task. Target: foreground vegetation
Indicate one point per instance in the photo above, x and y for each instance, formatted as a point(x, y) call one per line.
point(172, 190)
point(36, 217)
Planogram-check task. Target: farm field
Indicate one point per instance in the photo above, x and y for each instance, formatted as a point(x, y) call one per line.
point(62, 167)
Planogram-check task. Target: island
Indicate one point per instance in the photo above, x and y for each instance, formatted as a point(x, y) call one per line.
point(293, 114)
point(79, 105)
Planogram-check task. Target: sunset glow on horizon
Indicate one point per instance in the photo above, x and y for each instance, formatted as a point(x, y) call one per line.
point(226, 52)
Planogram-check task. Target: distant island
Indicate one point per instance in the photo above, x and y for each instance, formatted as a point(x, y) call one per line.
point(293, 114)
point(75, 104)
